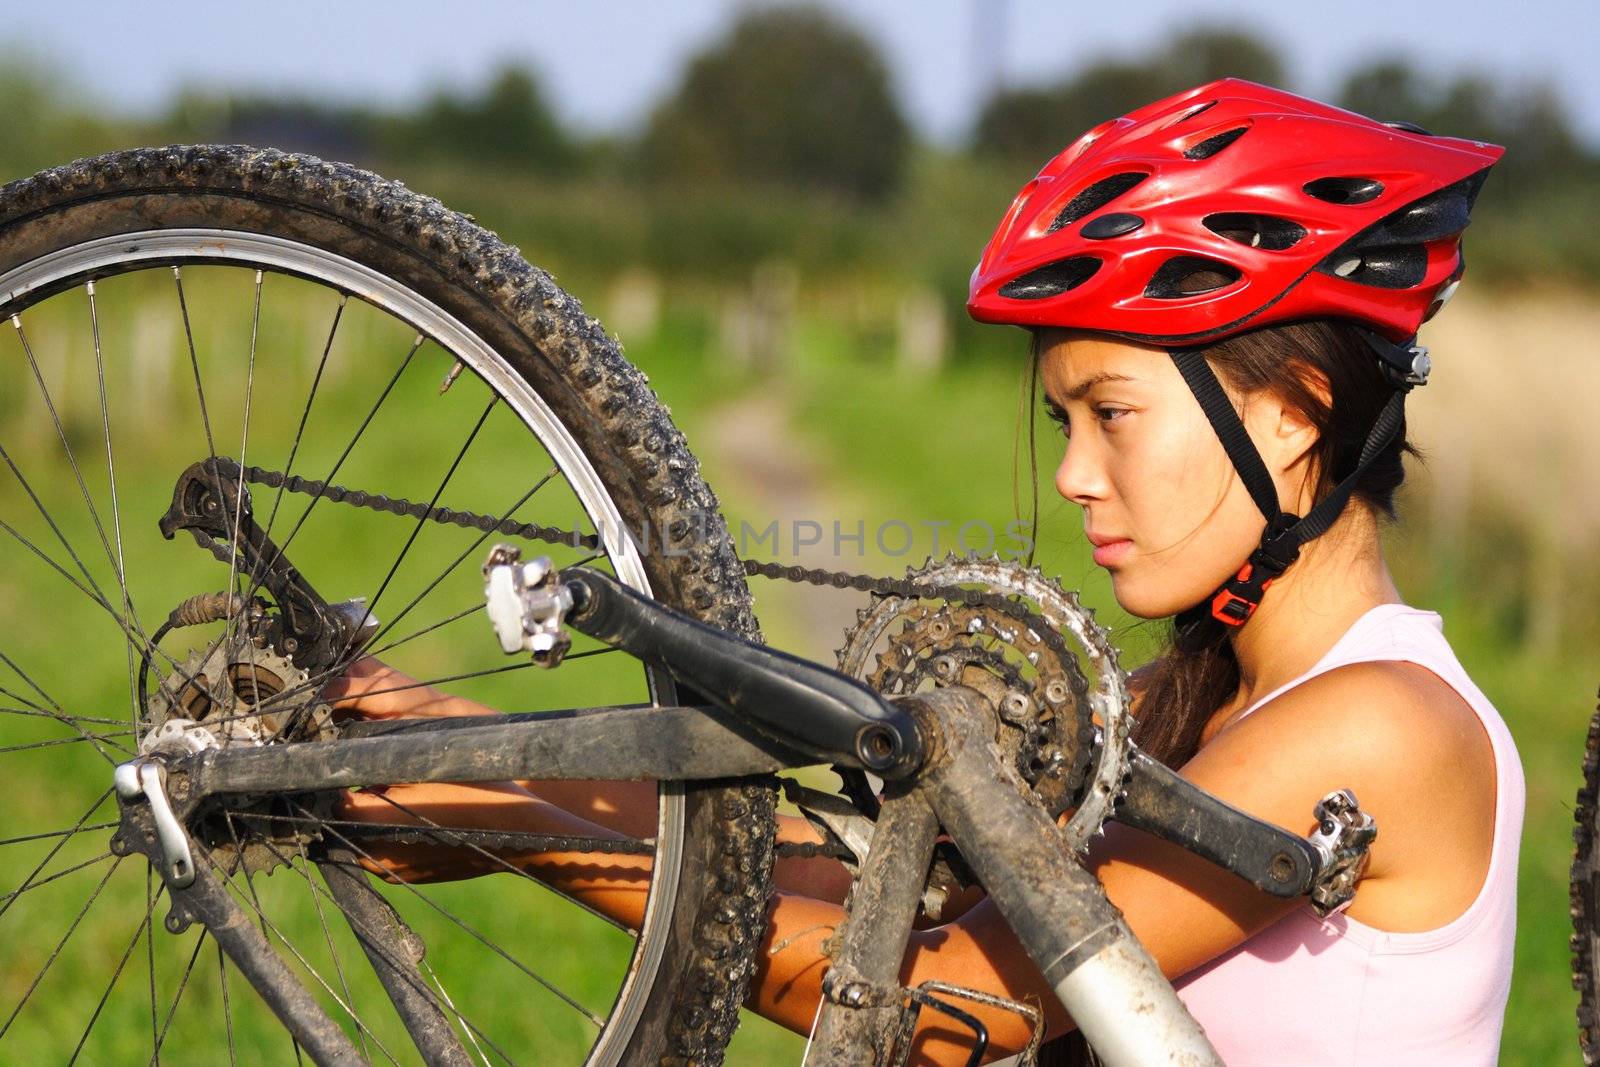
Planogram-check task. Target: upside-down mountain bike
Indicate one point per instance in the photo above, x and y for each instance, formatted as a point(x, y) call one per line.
point(265, 414)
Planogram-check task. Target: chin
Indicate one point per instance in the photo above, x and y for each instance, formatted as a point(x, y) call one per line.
point(1149, 600)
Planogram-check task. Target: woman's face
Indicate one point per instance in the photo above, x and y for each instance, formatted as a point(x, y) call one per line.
point(1169, 518)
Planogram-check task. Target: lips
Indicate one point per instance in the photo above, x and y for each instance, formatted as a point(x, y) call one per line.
point(1108, 549)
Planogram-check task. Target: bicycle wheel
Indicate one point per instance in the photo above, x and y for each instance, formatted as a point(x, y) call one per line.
point(177, 305)
point(1585, 898)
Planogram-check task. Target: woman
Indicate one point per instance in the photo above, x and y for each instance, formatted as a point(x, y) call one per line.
point(1224, 289)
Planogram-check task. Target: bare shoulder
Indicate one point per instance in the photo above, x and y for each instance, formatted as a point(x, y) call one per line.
point(1372, 714)
point(1405, 741)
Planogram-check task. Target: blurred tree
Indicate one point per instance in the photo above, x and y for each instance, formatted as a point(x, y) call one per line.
point(44, 122)
point(1542, 150)
point(1387, 89)
point(508, 123)
point(1034, 123)
point(1205, 53)
point(790, 95)
point(294, 124)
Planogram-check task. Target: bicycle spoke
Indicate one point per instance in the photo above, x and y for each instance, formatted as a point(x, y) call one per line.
point(321, 891)
point(59, 833)
point(416, 528)
point(316, 498)
point(150, 964)
point(446, 621)
point(327, 935)
point(269, 925)
point(445, 835)
point(37, 712)
point(111, 478)
point(97, 598)
point(4, 750)
point(194, 362)
point(56, 952)
point(466, 1028)
point(98, 594)
point(77, 472)
point(59, 845)
point(46, 697)
point(339, 668)
point(479, 540)
point(305, 411)
point(254, 901)
point(183, 983)
point(5, 901)
point(476, 935)
point(244, 451)
point(227, 1006)
point(143, 930)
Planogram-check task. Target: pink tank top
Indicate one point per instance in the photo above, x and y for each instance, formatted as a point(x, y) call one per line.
point(1334, 991)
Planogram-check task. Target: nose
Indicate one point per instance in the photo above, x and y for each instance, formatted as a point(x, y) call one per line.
point(1081, 476)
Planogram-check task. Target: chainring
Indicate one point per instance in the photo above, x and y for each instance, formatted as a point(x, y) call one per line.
point(1048, 706)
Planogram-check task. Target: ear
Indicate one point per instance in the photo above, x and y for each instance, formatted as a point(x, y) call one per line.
point(1289, 435)
point(1282, 431)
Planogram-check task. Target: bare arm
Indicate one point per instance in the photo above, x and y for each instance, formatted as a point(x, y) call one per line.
point(1375, 728)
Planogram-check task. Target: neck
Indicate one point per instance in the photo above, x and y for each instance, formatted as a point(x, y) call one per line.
point(1338, 578)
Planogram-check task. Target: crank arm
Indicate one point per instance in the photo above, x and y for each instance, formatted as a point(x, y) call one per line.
point(1161, 802)
point(211, 500)
point(791, 700)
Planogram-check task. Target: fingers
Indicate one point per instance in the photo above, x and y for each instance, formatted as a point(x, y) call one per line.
point(371, 689)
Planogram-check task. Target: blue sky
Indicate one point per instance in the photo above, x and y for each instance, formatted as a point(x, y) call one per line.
point(605, 61)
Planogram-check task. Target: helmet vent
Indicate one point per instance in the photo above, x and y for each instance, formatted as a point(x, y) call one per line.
point(1408, 127)
point(1183, 276)
point(1389, 267)
point(1052, 279)
point(1215, 143)
point(1441, 214)
point(1256, 231)
point(1344, 191)
point(1095, 197)
point(1192, 112)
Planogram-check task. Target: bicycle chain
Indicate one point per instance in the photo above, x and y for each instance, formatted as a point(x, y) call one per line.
point(866, 583)
point(509, 841)
point(816, 576)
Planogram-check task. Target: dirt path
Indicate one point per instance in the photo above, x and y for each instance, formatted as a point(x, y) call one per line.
point(763, 473)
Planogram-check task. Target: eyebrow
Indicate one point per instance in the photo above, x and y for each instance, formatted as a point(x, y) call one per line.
point(1080, 390)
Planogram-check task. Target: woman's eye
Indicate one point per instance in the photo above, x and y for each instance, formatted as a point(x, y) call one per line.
point(1059, 417)
point(1105, 414)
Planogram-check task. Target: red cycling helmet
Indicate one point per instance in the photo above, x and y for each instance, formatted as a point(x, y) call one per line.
point(1227, 208)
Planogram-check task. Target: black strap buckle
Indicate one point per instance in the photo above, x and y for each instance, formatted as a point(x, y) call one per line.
point(1237, 600)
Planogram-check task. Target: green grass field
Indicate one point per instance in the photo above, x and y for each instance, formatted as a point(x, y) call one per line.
point(887, 445)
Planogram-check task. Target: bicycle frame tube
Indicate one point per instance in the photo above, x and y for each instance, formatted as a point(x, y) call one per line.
point(628, 742)
point(1101, 974)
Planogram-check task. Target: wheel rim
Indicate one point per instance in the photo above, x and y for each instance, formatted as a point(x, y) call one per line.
point(25, 286)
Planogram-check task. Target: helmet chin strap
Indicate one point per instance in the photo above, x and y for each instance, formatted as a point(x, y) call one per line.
point(1405, 365)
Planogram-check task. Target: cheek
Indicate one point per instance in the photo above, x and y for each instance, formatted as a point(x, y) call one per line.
point(1191, 518)
point(1169, 477)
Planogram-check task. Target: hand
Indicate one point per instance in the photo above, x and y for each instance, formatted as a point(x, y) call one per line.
point(371, 689)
